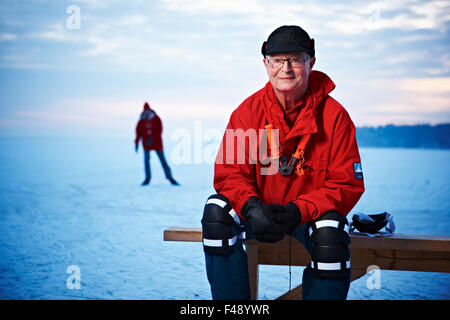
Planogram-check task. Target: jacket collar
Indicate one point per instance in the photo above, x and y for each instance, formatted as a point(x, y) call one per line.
point(320, 85)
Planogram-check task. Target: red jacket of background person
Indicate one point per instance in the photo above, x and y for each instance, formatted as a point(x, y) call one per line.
point(149, 130)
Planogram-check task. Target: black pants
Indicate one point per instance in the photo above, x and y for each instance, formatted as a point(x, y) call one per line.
point(229, 279)
point(162, 159)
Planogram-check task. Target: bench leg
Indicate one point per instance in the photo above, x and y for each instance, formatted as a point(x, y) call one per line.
point(253, 269)
point(296, 293)
point(357, 273)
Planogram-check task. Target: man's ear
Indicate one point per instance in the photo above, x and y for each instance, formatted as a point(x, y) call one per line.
point(266, 65)
point(312, 61)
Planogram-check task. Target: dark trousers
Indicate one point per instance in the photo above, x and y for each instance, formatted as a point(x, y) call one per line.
point(229, 279)
point(162, 159)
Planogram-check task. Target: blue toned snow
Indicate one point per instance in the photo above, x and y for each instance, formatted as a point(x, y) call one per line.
point(79, 202)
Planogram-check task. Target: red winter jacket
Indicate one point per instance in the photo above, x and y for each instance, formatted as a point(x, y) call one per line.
point(331, 178)
point(149, 129)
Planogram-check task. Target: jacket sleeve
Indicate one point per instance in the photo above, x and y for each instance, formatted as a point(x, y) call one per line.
point(138, 132)
point(344, 185)
point(157, 126)
point(234, 177)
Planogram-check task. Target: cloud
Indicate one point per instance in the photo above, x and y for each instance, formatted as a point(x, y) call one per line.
point(82, 113)
point(128, 38)
point(185, 48)
point(339, 17)
point(96, 4)
point(51, 116)
point(408, 100)
point(425, 85)
point(400, 15)
point(102, 46)
point(5, 36)
point(215, 7)
point(416, 38)
point(417, 56)
point(56, 33)
point(132, 20)
point(21, 61)
point(443, 66)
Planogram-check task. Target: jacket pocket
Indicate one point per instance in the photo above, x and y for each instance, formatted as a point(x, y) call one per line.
point(315, 172)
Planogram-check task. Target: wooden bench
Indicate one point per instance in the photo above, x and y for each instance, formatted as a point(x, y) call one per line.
point(411, 252)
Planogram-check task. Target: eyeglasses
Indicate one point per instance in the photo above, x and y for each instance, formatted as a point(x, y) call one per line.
point(296, 62)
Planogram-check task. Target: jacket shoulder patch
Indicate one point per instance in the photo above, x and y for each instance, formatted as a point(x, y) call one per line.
point(357, 170)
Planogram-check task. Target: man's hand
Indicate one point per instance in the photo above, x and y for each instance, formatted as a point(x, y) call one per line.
point(136, 147)
point(271, 222)
point(259, 218)
point(290, 217)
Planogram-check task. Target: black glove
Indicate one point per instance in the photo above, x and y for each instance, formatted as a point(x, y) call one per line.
point(291, 217)
point(259, 218)
point(288, 216)
point(136, 146)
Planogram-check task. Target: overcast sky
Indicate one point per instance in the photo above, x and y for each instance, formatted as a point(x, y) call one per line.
point(86, 67)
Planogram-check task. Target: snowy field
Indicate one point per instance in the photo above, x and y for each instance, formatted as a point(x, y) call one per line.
point(67, 202)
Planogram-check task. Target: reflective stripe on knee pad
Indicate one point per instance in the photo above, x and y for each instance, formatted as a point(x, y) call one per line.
point(330, 266)
point(331, 253)
point(221, 226)
point(328, 223)
point(223, 242)
point(221, 203)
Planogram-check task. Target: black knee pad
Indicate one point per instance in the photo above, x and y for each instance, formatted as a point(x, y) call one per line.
point(330, 256)
point(220, 226)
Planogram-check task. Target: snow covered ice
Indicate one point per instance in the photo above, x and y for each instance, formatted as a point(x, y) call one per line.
point(78, 202)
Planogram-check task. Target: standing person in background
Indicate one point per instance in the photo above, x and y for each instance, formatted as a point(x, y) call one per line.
point(149, 129)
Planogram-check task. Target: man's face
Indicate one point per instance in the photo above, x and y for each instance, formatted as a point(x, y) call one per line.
point(286, 78)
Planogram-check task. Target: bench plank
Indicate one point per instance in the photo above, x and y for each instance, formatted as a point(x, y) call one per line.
point(399, 241)
point(183, 234)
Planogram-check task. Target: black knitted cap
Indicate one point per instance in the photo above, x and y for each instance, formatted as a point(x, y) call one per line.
point(288, 39)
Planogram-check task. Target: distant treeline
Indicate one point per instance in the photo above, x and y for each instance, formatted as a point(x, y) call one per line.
point(416, 136)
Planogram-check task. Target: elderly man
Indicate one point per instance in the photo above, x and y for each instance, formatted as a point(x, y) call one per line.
point(316, 182)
